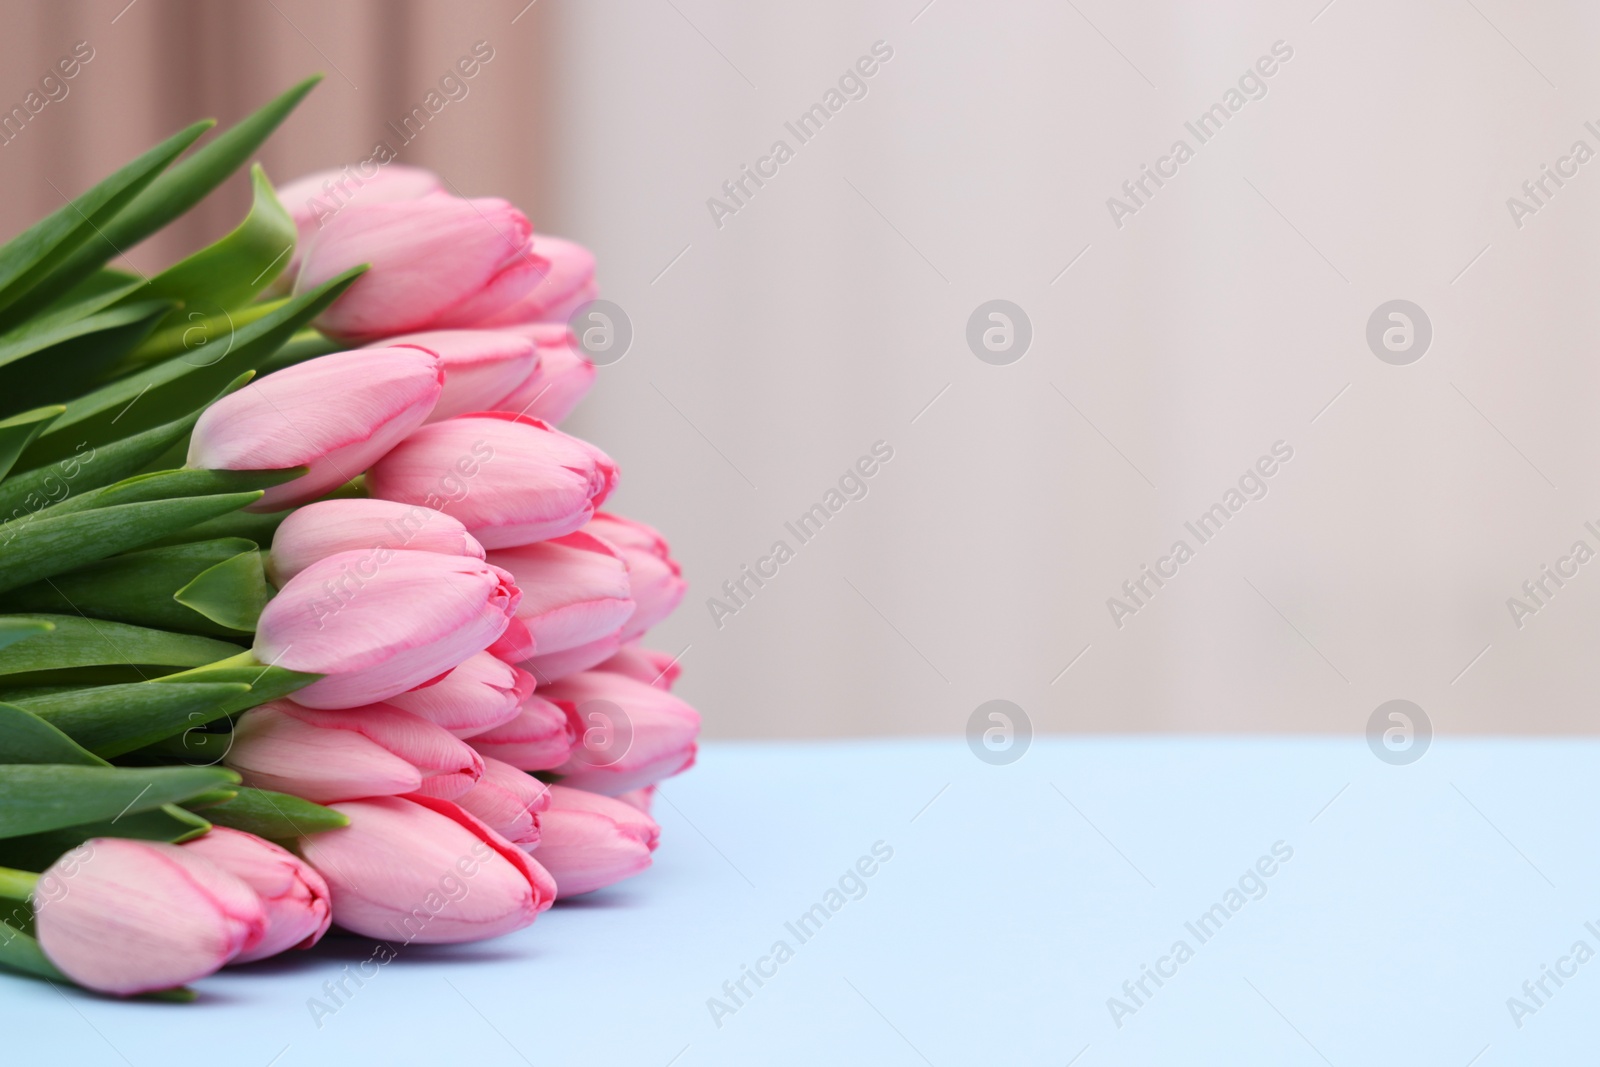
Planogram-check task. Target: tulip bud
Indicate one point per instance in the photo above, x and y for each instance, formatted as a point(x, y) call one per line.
point(124, 916)
point(335, 414)
point(480, 366)
point(588, 842)
point(515, 645)
point(566, 283)
point(314, 199)
point(378, 624)
point(574, 589)
point(554, 666)
point(477, 696)
point(327, 527)
point(423, 870)
point(510, 479)
point(644, 665)
point(539, 738)
point(371, 751)
point(628, 733)
point(654, 577)
point(641, 798)
point(435, 263)
point(563, 378)
point(294, 897)
point(508, 801)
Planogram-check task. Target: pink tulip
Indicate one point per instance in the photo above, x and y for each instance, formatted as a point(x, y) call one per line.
point(335, 414)
point(418, 869)
point(539, 738)
point(515, 645)
point(508, 801)
point(480, 366)
point(327, 527)
point(629, 733)
point(563, 378)
point(654, 577)
point(314, 199)
point(554, 666)
point(641, 798)
point(435, 263)
point(477, 696)
point(588, 842)
point(522, 480)
point(574, 589)
point(293, 895)
point(565, 284)
point(371, 751)
point(645, 665)
point(375, 628)
point(124, 916)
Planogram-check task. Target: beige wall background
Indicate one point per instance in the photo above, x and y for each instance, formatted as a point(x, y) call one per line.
point(1168, 354)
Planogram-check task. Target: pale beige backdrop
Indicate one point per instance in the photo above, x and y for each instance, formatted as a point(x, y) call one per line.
point(774, 347)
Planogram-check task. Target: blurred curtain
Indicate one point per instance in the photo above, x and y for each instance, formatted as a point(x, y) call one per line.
point(158, 64)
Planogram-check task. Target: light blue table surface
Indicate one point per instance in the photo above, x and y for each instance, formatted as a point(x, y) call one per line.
point(1017, 902)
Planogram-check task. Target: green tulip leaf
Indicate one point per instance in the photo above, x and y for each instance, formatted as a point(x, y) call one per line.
point(35, 852)
point(232, 271)
point(177, 386)
point(14, 629)
point(26, 738)
point(169, 485)
point(182, 187)
point(18, 432)
point(100, 466)
point(39, 797)
point(230, 594)
point(86, 350)
point(30, 259)
point(254, 526)
point(40, 546)
point(277, 816)
point(20, 952)
point(110, 720)
point(75, 643)
point(148, 588)
point(266, 682)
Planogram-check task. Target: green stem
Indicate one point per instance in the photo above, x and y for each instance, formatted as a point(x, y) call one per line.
point(17, 885)
point(195, 335)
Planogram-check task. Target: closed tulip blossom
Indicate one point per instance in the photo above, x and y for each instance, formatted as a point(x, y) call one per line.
point(654, 577)
point(335, 415)
point(642, 798)
point(422, 870)
point(327, 527)
point(563, 378)
point(294, 896)
point(588, 842)
point(566, 282)
point(644, 665)
point(136, 916)
point(480, 366)
point(510, 479)
point(508, 801)
point(538, 739)
point(377, 750)
point(554, 666)
point(436, 262)
point(375, 629)
point(627, 733)
point(477, 696)
point(575, 589)
point(314, 199)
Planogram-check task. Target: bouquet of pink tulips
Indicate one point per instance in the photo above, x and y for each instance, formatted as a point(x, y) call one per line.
point(309, 615)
